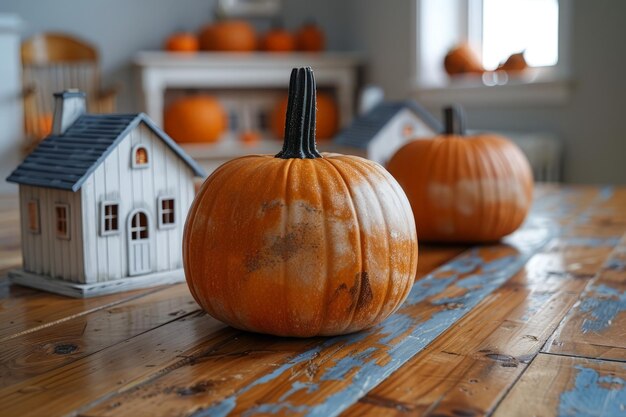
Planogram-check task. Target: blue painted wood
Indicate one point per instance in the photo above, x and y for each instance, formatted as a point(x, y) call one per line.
point(594, 395)
point(601, 304)
point(474, 274)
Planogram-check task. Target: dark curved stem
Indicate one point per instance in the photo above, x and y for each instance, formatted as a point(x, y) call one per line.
point(454, 120)
point(300, 121)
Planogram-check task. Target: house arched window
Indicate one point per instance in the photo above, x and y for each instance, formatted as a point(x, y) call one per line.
point(140, 157)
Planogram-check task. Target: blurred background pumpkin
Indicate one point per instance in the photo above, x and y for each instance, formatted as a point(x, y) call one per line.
point(228, 35)
point(516, 62)
point(310, 38)
point(278, 39)
point(182, 42)
point(327, 121)
point(462, 60)
point(196, 119)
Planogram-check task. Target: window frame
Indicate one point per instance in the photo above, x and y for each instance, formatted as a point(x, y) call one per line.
point(33, 202)
point(103, 218)
point(161, 211)
point(68, 233)
point(433, 87)
point(133, 156)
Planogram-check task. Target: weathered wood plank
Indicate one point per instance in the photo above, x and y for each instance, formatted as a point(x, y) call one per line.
point(220, 371)
point(25, 310)
point(206, 378)
point(41, 351)
point(565, 386)
point(468, 370)
point(595, 327)
point(122, 366)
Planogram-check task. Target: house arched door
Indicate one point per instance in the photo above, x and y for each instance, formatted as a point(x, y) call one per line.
point(138, 243)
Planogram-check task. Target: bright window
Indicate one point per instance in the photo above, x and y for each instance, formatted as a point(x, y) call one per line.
point(33, 216)
point(511, 26)
point(495, 30)
point(62, 212)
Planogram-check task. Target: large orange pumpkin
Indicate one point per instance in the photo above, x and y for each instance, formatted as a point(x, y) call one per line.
point(198, 118)
point(181, 42)
point(310, 38)
point(301, 243)
point(464, 188)
point(278, 39)
point(462, 60)
point(228, 35)
point(327, 117)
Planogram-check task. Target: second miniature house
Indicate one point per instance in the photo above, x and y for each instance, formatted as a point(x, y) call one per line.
point(380, 132)
point(103, 201)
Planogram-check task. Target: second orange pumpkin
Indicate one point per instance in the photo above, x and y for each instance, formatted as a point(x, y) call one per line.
point(464, 188)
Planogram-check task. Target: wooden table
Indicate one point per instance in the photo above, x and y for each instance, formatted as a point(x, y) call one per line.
point(533, 326)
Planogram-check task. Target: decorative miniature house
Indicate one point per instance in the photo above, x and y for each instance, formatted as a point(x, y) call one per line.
point(103, 200)
point(379, 133)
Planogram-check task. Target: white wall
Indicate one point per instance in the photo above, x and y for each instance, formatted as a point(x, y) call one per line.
point(11, 121)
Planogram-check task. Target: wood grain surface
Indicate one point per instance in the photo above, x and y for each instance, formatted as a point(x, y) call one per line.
point(529, 326)
point(568, 386)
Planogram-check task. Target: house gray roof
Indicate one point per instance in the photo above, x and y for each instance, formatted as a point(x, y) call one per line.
point(364, 128)
point(66, 161)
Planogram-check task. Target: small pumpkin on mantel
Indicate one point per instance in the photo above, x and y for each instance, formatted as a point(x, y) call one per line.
point(182, 42)
point(228, 36)
point(514, 63)
point(310, 37)
point(301, 243)
point(278, 39)
point(464, 188)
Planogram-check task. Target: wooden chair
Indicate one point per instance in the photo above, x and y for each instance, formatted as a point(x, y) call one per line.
point(53, 62)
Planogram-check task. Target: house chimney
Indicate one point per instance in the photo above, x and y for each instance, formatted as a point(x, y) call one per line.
point(68, 106)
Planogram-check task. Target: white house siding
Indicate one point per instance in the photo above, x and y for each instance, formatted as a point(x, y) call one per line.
point(44, 253)
point(391, 138)
point(133, 188)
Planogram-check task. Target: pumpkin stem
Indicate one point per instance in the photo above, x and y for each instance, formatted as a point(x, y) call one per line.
point(300, 122)
point(454, 120)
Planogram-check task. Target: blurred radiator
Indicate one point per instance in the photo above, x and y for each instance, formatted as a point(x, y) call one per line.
point(544, 151)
